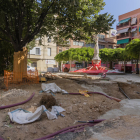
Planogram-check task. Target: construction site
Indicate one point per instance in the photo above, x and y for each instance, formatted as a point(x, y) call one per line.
point(69, 70)
point(93, 108)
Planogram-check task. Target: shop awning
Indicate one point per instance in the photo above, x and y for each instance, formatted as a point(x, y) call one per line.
point(134, 29)
point(123, 41)
point(122, 31)
point(124, 20)
point(133, 21)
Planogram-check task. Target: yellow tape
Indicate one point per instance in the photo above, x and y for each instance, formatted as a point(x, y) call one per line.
point(84, 92)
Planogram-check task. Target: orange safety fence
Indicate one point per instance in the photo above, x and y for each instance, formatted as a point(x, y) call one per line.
point(20, 78)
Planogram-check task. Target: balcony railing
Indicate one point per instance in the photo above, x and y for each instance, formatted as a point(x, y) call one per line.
point(123, 25)
point(124, 35)
point(110, 40)
point(133, 34)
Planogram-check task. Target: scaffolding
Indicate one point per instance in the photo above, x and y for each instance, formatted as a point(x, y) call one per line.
point(11, 77)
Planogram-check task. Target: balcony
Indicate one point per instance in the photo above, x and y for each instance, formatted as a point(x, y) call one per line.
point(111, 40)
point(101, 39)
point(123, 25)
point(133, 35)
point(124, 35)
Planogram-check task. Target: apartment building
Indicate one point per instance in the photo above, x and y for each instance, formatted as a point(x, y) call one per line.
point(42, 56)
point(105, 41)
point(128, 27)
point(72, 44)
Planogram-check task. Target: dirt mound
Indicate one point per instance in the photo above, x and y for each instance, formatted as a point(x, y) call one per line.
point(48, 101)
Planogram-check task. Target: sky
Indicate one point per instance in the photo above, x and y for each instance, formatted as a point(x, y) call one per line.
point(119, 7)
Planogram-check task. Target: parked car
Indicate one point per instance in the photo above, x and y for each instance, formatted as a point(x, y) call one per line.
point(30, 68)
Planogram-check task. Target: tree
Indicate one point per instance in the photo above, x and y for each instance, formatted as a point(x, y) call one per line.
point(133, 50)
point(86, 54)
point(6, 56)
point(21, 20)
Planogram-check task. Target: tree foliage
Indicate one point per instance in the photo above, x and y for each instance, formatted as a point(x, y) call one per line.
point(86, 54)
point(78, 54)
point(6, 56)
point(22, 20)
point(133, 48)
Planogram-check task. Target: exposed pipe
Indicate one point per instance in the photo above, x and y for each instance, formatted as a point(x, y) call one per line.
point(110, 97)
point(124, 93)
point(66, 129)
point(8, 106)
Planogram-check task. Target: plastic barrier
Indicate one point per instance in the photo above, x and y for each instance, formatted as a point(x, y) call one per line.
point(19, 78)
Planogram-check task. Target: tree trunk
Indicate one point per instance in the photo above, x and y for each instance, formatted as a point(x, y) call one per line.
point(124, 66)
point(137, 71)
point(61, 66)
point(84, 64)
point(110, 64)
point(106, 64)
point(70, 65)
point(20, 65)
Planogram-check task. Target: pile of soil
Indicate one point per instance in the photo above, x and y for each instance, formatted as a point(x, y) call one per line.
point(48, 101)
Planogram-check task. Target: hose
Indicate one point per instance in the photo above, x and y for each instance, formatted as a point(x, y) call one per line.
point(110, 97)
point(67, 129)
point(1, 138)
point(8, 106)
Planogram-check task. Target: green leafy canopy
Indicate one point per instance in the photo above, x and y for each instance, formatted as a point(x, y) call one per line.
point(22, 20)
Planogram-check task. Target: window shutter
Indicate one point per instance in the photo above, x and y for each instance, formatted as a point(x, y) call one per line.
point(49, 52)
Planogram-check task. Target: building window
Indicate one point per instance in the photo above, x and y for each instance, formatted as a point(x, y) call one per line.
point(81, 43)
point(67, 48)
point(49, 51)
point(101, 46)
point(134, 34)
point(78, 43)
point(90, 45)
point(49, 39)
point(110, 46)
point(60, 50)
point(37, 51)
point(68, 42)
point(101, 37)
point(34, 64)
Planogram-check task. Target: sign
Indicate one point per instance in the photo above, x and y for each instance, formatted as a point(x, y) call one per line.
point(50, 62)
point(113, 33)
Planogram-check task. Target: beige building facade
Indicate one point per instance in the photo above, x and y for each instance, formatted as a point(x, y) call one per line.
point(42, 56)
